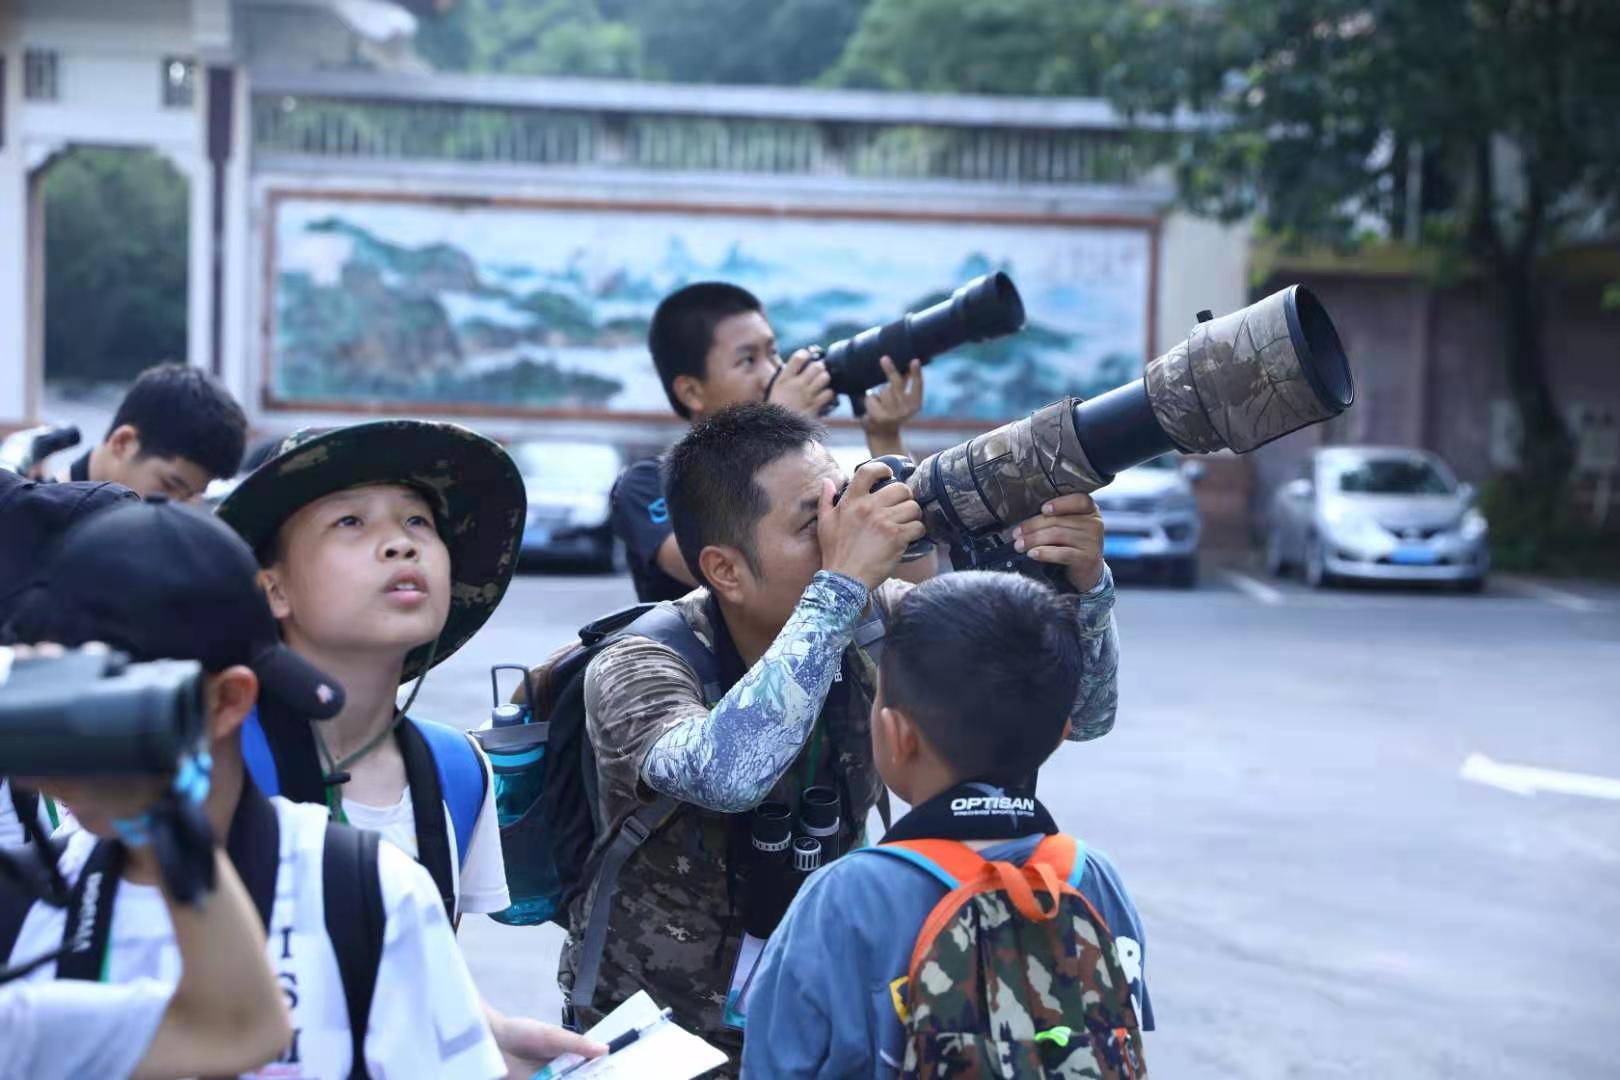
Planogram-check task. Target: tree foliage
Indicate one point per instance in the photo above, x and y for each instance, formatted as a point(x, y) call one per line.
point(115, 264)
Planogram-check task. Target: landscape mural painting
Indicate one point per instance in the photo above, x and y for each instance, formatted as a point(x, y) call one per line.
point(535, 307)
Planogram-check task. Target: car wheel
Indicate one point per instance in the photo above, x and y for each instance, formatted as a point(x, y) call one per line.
point(1276, 564)
point(1316, 571)
point(1184, 572)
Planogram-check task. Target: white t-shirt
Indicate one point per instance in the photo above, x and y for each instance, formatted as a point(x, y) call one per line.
point(11, 829)
point(426, 1019)
point(68, 1030)
point(480, 885)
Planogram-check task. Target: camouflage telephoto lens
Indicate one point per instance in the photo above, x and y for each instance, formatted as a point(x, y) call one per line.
point(986, 307)
point(1237, 382)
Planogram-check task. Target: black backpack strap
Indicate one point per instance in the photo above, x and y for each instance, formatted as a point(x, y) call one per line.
point(84, 947)
point(355, 922)
point(427, 803)
point(15, 903)
point(661, 623)
point(635, 831)
point(25, 801)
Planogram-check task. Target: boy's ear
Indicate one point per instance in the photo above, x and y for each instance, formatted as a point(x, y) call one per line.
point(124, 441)
point(231, 695)
point(901, 734)
point(270, 582)
point(726, 571)
point(688, 391)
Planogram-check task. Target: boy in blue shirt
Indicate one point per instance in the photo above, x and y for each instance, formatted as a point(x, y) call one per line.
point(978, 674)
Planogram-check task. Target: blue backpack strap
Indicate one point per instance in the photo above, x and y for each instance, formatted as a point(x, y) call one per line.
point(461, 778)
point(920, 861)
point(256, 753)
point(1079, 870)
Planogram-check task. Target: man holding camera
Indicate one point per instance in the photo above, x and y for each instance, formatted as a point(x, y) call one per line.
point(713, 347)
point(790, 569)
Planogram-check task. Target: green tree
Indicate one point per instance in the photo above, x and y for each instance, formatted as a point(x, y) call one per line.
point(115, 264)
point(785, 42)
point(1327, 109)
point(530, 37)
point(969, 46)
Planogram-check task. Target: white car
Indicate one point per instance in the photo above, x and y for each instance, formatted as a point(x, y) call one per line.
point(568, 485)
point(1151, 517)
point(1378, 514)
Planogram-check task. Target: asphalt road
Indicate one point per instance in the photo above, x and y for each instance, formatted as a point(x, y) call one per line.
point(1325, 894)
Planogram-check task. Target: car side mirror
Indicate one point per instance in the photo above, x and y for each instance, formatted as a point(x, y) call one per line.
point(1300, 489)
point(1194, 471)
point(1467, 493)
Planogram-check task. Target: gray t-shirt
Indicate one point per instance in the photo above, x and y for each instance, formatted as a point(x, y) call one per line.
point(820, 1003)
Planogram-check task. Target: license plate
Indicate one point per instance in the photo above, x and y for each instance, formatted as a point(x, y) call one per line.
point(1121, 546)
point(1414, 556)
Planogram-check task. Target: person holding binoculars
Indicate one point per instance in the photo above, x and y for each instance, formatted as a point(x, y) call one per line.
point(797, 590)
point(713, 347)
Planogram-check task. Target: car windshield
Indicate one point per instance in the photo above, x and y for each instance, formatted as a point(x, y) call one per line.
point(553, 466)
point(1392, 476)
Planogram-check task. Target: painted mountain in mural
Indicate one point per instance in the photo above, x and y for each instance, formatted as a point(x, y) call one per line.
point(549, 309)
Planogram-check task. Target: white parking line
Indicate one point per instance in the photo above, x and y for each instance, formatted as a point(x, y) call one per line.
point(1528, 779)
point(1254, 589)
point(1558, 597)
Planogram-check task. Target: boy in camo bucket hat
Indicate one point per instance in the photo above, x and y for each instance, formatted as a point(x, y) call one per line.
point(384, 546)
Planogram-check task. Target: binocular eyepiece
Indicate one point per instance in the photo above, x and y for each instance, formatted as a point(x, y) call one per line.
point(782, 852)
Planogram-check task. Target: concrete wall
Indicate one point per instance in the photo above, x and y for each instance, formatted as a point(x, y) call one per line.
point(1429, 373)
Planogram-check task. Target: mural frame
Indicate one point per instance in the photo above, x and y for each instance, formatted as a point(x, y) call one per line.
point(276, 195)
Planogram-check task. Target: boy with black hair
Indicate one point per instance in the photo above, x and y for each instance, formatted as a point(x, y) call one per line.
point(713, 347)
point(973, 695)
point(384, 547)
point(795, 585)
point(386, 993)
point(176, 429)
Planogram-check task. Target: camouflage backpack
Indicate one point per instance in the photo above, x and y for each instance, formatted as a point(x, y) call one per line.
point(1015, 974)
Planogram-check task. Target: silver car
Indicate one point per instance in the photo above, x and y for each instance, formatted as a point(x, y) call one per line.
point(568, 485)
point(1380, 514)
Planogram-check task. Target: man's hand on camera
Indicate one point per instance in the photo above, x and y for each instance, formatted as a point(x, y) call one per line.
point(1068, 532)
point(804, 386)
point(886, 409)
point(865, 534)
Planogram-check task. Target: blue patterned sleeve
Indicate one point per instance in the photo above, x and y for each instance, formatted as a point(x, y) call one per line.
point(729, 758)
point(1095, 705)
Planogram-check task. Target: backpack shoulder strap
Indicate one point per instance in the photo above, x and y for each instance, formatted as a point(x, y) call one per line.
point(870, 632)
point(427, 797)
point(631, 835)
point(663, 623)
point(355, 922)
point(1066, 855)
point(950, 862)
point(14, 908)
point(257, 755)
point(462, 778)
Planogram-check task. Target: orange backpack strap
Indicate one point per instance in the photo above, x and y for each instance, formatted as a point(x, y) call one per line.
point(1064, 854)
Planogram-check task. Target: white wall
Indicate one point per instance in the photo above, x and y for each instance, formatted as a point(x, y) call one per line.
point(1202, 264)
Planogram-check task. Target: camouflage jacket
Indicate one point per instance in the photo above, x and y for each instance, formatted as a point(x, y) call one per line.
point(672, 929)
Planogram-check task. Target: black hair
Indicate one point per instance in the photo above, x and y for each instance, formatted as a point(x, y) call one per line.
point(682, 331)
point(183, 412)
point(988, 665)
point(709, 476)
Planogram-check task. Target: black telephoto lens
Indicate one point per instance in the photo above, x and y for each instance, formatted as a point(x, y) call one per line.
point(986, 307)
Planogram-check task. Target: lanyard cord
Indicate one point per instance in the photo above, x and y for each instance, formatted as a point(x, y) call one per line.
point(337, 771)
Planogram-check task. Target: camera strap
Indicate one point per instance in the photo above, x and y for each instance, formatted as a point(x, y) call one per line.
point(253, 846)
point(88, 926)
point(975, 810)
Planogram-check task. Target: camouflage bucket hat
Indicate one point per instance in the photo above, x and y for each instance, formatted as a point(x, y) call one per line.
point(474, 487)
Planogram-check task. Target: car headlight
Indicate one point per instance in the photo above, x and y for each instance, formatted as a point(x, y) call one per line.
point(1472, 525)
